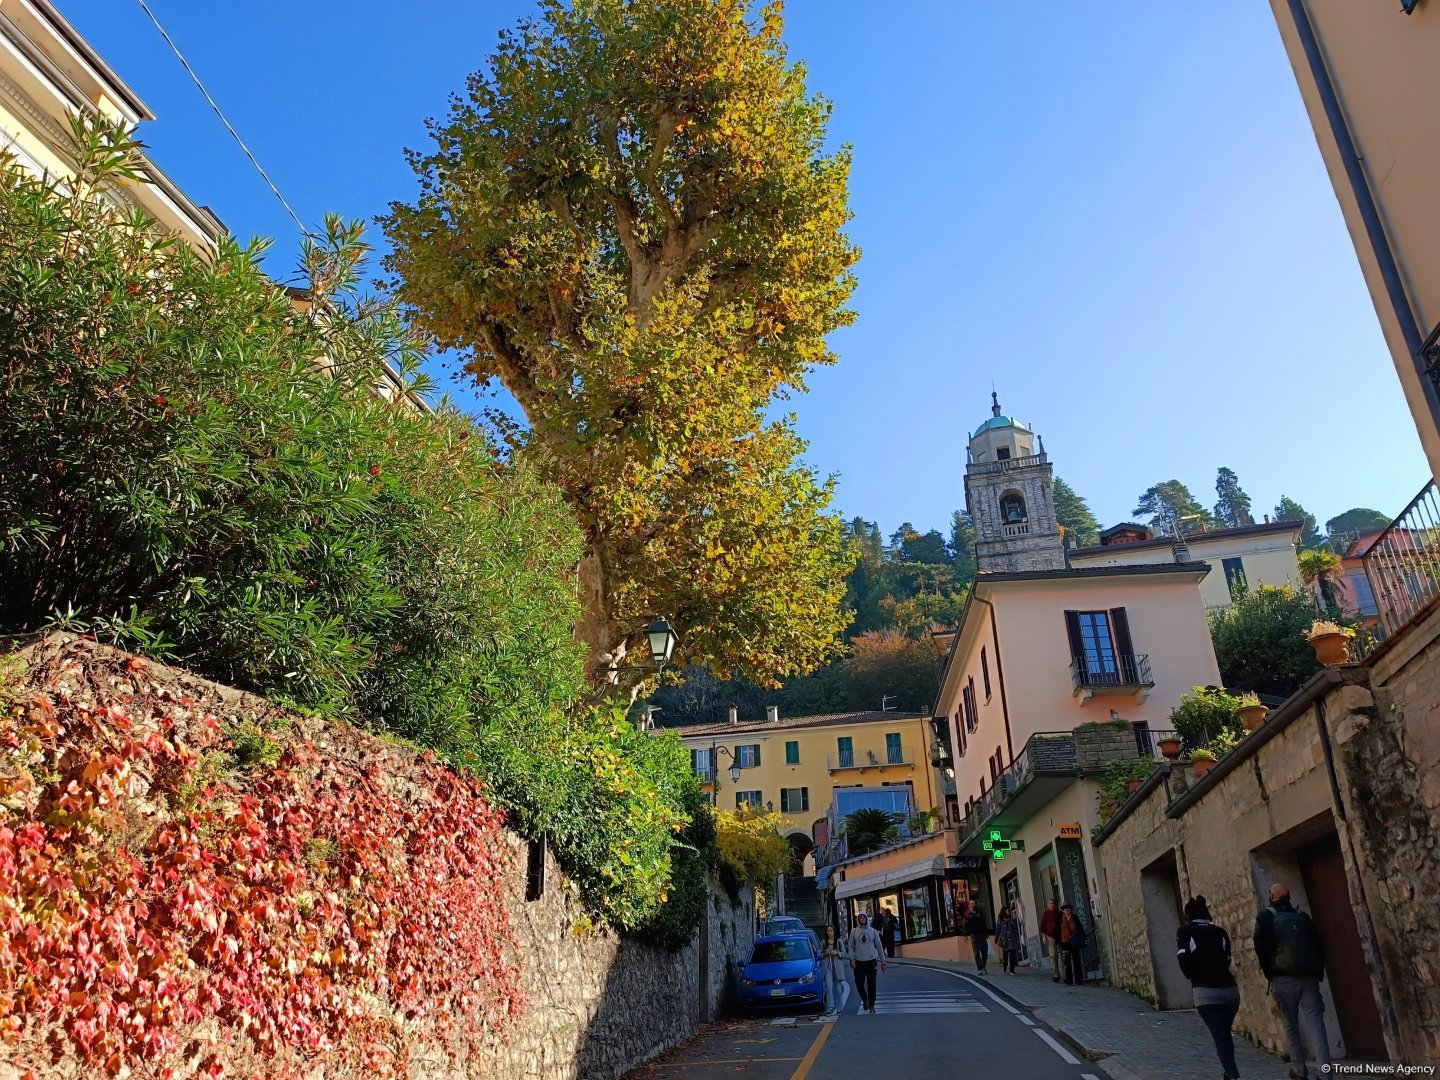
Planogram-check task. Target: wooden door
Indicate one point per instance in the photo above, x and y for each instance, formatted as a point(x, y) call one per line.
point(1322, 867)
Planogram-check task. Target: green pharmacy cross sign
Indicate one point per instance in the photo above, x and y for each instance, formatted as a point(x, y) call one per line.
point(999, 847)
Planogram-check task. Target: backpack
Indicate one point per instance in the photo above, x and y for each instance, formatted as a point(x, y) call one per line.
point(1297, 946)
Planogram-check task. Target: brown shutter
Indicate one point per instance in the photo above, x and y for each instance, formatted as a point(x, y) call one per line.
point(1120, 627)
point(1077, 643)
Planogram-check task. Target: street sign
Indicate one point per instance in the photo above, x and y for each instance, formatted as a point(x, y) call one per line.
point(1070, 832)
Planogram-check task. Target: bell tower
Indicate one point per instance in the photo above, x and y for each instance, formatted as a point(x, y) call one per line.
point(1009, 497)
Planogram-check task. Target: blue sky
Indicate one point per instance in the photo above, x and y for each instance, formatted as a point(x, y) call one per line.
point(1115, 212)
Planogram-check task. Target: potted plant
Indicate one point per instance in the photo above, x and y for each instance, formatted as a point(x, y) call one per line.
point(1331, 642)
point(1252, 714)
point(1203, 760)
point(1169, 747)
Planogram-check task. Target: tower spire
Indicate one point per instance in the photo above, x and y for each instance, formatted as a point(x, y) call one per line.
point(994, 402)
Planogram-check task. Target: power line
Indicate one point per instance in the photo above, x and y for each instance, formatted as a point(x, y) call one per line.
point(228, 126)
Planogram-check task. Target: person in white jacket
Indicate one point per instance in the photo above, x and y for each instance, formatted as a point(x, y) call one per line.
point(866, 954)
point(834, 952)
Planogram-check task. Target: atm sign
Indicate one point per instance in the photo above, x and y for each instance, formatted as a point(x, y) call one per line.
point(1070, 832)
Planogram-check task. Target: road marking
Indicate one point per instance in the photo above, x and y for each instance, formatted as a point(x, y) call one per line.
point(803, 1069)
point(979, 986)
point(1031, 1023)
point(700, 1062)
point(1088, 1076)
point(1065, 1055)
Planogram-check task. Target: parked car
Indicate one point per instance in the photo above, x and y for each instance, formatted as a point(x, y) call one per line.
point(782, 924)
point(783, 972)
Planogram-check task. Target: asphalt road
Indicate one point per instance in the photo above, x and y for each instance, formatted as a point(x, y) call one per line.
point(929, 1025)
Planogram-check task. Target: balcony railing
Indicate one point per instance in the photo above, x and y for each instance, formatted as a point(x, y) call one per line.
point(985, 467)
point(1123, 671)
point(706, 775)
point(1403, 564)
point(1045, 752)
point(871, 759)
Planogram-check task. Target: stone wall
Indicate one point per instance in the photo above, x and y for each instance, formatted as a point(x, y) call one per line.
point(1232, 834)
point(1388, 759)
point(599, 1003)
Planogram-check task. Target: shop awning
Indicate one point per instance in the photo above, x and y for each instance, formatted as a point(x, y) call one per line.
point(884, 879)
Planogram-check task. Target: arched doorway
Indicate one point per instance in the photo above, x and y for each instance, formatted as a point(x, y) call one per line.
point(802, 852)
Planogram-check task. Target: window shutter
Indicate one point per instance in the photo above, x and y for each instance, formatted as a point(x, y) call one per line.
point(1120, 626)
point(1077, 643)
point(804, 798)
point(755, 755)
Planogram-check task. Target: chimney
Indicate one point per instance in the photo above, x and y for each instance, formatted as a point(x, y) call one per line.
point(772, 714)
point(734, 713)
point(1180, 549)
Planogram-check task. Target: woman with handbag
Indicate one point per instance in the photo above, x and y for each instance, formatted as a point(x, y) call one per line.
point(1007, 941)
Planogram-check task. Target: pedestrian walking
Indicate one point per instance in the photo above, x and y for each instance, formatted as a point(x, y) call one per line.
point(1073, 937)
point(891, 933)
point(1204, 952)
point(866, 954)
point(979, 936)
point(1007, 941)
point(833, 955)
point(1050, 935)
point(1293, 958)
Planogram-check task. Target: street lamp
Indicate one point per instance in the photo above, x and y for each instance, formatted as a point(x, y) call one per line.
point(662, 641)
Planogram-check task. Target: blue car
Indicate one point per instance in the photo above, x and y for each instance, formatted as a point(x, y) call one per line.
point(783, 972)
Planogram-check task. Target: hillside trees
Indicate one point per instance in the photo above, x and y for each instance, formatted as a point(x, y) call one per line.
point(630, 221)
point(1232, 508)
point(1341, 529)
point(1170, 506)
point(1260, 640)
point(1074, 515)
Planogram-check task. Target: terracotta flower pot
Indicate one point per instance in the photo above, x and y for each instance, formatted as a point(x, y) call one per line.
point(1331, 649)
point(1133, 786)
point(1252, 716)
point(1170, 748)
point(1202, 766)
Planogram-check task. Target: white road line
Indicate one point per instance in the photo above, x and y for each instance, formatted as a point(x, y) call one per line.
point(1031, 1023)
point(1088, 1076)
point(1065, 1055)
point(981, 987)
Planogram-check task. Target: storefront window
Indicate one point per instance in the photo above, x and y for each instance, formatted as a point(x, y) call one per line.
point(919, 920)
point(862, 905)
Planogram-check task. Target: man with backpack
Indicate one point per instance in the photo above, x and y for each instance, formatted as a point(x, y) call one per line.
point(1293, 958)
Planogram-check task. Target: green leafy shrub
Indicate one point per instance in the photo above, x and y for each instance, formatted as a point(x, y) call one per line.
point(752, 851)
point(1259, 639)
point(1116, 780)
point(1203, 714)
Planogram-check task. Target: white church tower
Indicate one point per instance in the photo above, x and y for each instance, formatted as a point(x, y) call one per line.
point(1009, 497)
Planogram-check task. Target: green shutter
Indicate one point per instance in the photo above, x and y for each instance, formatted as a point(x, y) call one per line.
point(792, 753)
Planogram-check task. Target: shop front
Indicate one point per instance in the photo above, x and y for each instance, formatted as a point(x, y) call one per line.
point(923, 886)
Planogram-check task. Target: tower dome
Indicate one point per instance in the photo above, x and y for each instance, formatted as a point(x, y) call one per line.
point(1001, 437)
point(1010, 498)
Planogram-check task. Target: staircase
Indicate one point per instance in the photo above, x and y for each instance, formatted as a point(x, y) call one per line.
point(803, 901)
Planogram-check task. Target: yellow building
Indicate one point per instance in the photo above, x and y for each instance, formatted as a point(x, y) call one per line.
point(49, 74)
point(800, 766)
point(1368, 75)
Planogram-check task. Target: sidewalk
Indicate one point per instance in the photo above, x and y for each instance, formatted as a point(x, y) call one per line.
point(1119, 1032)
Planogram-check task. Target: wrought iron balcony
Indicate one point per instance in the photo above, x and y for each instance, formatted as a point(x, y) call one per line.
point(1122, 673)
point(871, 759)
point(1403, 564)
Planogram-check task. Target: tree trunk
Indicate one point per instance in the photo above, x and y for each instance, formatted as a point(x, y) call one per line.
point(606, 641)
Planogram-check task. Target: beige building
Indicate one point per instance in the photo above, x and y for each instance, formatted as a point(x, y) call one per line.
point(49, 74)
point(1367, 72)
point(1053, 674)
point(1264, 554)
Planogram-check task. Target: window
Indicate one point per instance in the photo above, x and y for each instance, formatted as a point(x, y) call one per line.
point(972, 711)
point(750, 799)
point(1100, 647)
point(1364, 595)
point(792, 753)
point(1234, 574)
point(1012, 508)
point(748, 756)
point(846, 747)
point(794, 800)
point(702, 761)
point(919, 921)
point(960, 731)
point(894, 752)
point(892, 800)
point(1002, 453)
point(985, 670)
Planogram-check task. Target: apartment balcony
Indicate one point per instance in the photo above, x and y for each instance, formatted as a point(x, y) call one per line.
point(1050, 762)
point(1403, 563)
point(860, 760)
point(1124, 673)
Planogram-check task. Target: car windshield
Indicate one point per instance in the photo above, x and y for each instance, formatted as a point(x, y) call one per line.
point(773, 952)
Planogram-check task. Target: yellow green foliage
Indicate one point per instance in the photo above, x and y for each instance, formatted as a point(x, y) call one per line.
point(631, 221)
point(752, 851)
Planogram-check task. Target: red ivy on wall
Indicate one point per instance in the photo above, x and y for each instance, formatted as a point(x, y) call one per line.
point(304, 906)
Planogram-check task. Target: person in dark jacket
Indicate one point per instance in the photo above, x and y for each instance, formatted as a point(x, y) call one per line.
point(979, 936)
point(1204, 952)
point(1007, 941)
point(1072, 945)
point(1293, 958)
point(890, 933)
point(1050, 935)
